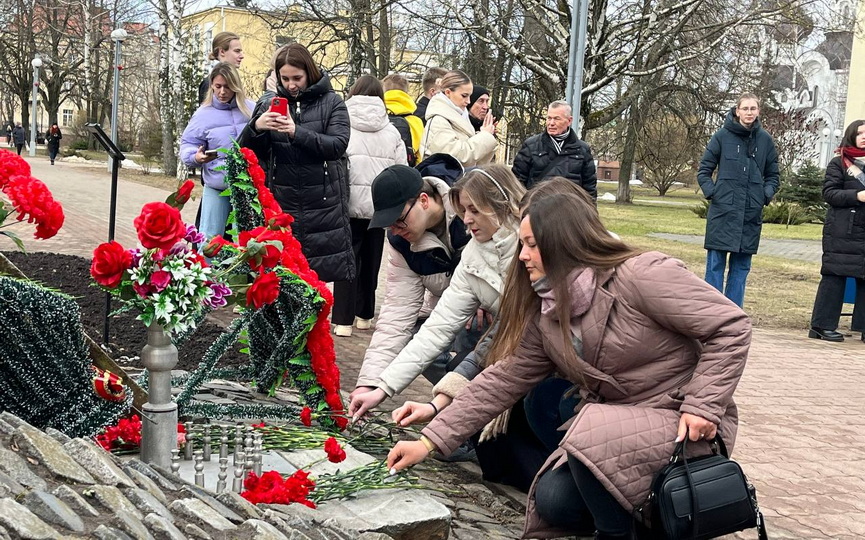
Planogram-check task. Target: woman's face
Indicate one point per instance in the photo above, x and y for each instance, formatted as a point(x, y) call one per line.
point(232, 55)
point(293, 79)
point(482, 226)
point(220, 88)
point(529, 253)
point(860, 137)
point(461, 95)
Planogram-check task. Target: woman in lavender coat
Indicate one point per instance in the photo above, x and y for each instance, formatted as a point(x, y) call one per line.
point(220, 119)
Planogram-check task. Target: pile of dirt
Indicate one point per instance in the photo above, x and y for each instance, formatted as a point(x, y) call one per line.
point(127, 335)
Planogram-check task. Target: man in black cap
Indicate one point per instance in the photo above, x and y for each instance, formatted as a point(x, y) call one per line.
point(424, 243)
point(479, 106)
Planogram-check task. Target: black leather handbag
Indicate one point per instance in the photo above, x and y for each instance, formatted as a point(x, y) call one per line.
point(700, 498)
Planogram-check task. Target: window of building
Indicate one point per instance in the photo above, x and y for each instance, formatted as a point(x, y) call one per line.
point(67, 117)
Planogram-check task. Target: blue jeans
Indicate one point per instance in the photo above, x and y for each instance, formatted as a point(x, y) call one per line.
point(214, 213)
point(740, 265)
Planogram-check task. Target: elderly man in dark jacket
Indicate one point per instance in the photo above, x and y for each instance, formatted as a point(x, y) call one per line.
point(746, 180)
point(557, 152)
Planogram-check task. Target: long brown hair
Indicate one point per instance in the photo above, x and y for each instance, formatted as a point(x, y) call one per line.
point(295, 54)
point(367, 85)
point(569, 235)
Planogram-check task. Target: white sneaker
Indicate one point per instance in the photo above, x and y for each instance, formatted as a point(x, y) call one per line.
point(362, 324)
point(342, 330)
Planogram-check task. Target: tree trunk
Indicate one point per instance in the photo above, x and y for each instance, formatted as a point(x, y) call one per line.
point(623, 193)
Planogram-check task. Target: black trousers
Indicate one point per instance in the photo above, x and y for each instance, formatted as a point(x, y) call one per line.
point(830, 300)
point(19, 147)
point(514, 457)
point(572, 498)
point(357, 297)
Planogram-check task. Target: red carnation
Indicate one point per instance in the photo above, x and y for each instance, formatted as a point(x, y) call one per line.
point(306, 416)
point(277, 220)
point(110, 261)
point(215, 245)
point(159, 226)
point(185, 191)
point(335, 453)
point(264, 290)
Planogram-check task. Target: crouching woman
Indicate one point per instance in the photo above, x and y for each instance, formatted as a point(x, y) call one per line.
point(656, 351)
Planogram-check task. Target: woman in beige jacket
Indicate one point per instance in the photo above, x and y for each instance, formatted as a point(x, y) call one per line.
point(448, 128)
point(657, 354)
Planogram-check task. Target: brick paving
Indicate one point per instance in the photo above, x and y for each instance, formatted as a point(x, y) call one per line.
point(801, 401)
point(799, 250)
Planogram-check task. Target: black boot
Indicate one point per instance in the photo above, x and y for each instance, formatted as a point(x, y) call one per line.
point(827, 335)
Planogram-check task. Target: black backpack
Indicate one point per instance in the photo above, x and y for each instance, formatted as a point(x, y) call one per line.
point(401, 125)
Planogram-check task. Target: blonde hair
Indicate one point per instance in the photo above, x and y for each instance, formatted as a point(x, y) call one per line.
point(747, 95)
point(453, 79)
point(495, 192)
point(232, 81)
point(221, 42)
point(395, 81)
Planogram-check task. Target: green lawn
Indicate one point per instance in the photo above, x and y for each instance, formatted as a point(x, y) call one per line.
point(642, 218)
point(780, 292)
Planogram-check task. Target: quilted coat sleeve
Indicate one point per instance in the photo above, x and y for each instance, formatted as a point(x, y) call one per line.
point(833, 187)
point(523, 163)
point(589, 174)
point(451, 313)
point(330, 144)
point(771, 175)
point(403, 301)
point(708, 165)
point(257, 141)
point(192, 138)
point(671, 295)
point(495, 390)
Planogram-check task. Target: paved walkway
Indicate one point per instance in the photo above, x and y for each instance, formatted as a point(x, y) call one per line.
point(800, 250)
point(801, 401)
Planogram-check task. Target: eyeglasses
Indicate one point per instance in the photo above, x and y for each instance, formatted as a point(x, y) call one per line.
point(749, 109)
point(400, 223)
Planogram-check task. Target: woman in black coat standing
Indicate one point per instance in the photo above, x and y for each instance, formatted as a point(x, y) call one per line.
point(304, 156)
point(843, 237)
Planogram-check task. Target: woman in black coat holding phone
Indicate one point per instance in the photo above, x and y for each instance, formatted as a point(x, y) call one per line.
point(303, 153)
point(843, 237)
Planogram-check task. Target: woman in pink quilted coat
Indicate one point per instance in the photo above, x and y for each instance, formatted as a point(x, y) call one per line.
point(656, 351)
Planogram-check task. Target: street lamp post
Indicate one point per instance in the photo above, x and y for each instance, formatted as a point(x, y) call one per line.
point(36, 63)
point(118, 35)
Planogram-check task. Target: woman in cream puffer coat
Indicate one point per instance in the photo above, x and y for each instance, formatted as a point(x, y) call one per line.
point(373, 146)
point(448, 128)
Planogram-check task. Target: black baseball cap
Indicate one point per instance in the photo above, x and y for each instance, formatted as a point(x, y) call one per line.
point(391, 189)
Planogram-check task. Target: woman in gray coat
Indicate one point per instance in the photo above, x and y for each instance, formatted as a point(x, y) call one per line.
point(744, 156)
